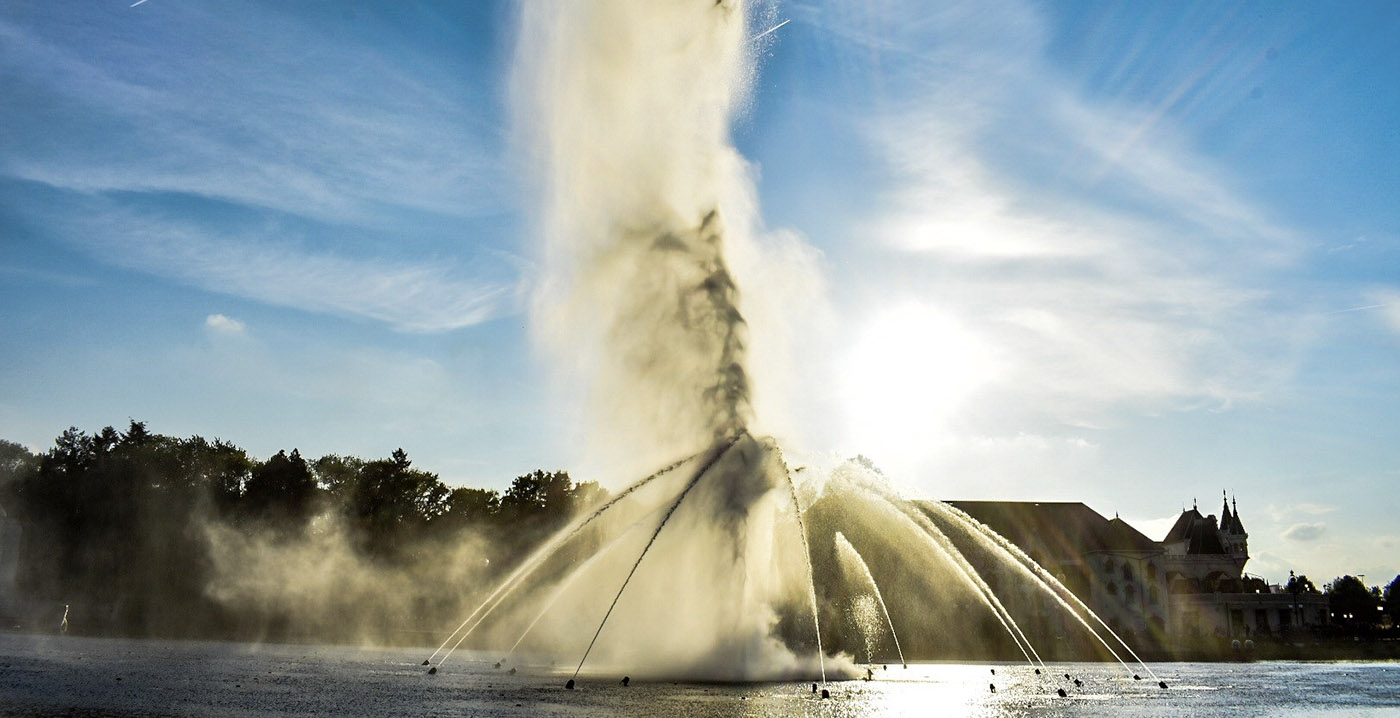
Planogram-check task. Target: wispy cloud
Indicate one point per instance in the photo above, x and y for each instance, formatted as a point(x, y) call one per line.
point(185, 143)
point(228, 103)
point(1105, 261)
point(409, 296)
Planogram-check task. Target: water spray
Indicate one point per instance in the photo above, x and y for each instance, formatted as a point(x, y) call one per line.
point(1047, 581)
point(844, 545)
point(506, 587)
point(811, 574)
point(699, 473)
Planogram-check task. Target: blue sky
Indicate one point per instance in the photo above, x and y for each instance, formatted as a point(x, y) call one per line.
point(1126, 253)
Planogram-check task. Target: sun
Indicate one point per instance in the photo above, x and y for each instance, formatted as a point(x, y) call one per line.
point(912, 368)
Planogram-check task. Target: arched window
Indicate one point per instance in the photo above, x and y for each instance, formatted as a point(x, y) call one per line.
point(1129, 592)
point(1151, 571)
point(1108, 566)
point(1127, 572)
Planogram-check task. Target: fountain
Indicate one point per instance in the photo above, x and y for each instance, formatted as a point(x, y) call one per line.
point(719, 565)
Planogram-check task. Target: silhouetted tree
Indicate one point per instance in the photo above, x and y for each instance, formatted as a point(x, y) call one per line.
point(1392, 601)
point(16, 461)
point(1298, 584)
point(468, 506)
point(1351, 603)
point(281, 487)
point(539, 495)
point(336, 475)
point(116, 522)
point(391, 502)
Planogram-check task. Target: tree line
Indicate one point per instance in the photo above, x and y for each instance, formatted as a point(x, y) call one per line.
point(117, 525)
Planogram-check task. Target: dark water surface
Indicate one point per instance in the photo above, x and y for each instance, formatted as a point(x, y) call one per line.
point(51, 676)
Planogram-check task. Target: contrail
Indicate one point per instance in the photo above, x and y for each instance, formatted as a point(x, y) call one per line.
point(755, 37)
point(142, 2)
point(1358, 309)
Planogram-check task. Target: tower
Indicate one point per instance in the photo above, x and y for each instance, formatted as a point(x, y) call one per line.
point(1232, 534)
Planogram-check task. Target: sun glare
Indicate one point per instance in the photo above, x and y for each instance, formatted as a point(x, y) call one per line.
point(911, 369)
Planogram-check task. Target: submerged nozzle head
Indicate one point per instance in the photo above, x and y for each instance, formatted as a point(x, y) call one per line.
point(1137, 677)
point(626, 680)
point(432, 671)
point(826, 693)
point(1163, 684)
point(1037, 671)
point(1066, 676)
point(993, 687)
point(425, 662)
point(498, 664)
point(570, 685)
point(1078, 683)
point(814, 688)
point(1062, 693)
point(512, 671)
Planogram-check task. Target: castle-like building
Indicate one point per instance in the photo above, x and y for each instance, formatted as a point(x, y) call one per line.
point(1189, 585)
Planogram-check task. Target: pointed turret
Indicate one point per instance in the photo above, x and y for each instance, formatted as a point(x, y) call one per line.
point(1232, 534)
point(1227, 522)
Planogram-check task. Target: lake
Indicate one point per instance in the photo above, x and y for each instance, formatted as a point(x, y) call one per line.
point(62, 675)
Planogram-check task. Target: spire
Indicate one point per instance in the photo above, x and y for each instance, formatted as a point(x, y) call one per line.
point(1227, 522)
point(1239, 525)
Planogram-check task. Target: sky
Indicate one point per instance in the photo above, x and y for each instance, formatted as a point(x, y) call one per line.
point(1131, 254)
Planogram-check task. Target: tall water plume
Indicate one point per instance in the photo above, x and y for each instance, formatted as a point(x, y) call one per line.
point(646, 207)
point(625, 108)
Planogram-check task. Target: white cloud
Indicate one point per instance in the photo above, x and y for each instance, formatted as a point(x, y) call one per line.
point(224, 325)
point(1305, 531)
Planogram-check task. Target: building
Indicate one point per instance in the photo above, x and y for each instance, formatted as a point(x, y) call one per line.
point(1188, 586)
point(1107, 563)
point(1210, 592)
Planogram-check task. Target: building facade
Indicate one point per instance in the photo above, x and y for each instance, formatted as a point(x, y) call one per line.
point(1188, 586)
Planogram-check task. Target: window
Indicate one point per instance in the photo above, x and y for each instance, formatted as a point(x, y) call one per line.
point(1108, 566)
point(1152, 572)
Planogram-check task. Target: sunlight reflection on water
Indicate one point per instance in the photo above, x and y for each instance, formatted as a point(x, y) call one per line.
point(62, 676)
